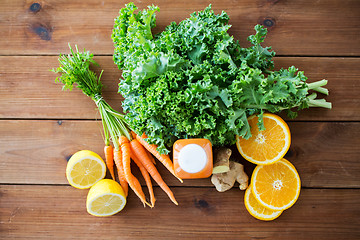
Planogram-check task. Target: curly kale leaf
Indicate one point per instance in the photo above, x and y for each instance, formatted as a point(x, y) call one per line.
point(258, 56)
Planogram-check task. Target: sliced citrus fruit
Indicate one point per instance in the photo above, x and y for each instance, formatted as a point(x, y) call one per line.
point(268, 146)
point(256, 209)
point(105, 198)
point(276, 186)
point(84, 169)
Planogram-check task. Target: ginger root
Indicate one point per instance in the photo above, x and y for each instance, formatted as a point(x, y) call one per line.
point(225, 181)
point(221, 160)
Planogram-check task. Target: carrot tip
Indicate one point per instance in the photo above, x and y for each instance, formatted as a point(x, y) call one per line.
point(153, 204)
point(147, 204)
point(179, 179)
point(112, 176)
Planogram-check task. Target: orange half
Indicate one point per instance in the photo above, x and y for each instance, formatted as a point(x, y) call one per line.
point(268, 146)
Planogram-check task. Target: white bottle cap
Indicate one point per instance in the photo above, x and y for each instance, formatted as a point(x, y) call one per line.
point(192, 158)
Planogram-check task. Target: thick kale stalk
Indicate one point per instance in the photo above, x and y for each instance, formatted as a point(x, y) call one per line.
point(194, 80)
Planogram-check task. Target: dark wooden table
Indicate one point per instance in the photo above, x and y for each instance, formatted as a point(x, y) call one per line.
point(42, 126)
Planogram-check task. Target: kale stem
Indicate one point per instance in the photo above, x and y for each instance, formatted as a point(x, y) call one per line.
point(314, 85)
point(312, 96)
point(232, 64)
point(319, 103)
point(322, 90)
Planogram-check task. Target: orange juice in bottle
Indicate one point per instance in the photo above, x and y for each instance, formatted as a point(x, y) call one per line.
point(193, 158)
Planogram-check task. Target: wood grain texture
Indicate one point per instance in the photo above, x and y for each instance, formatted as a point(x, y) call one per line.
point(42, 126)
point(326, 154)
point(305, 27)
point(202, 214)
point(29, 89)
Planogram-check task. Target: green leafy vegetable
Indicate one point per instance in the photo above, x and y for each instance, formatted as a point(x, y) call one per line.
point(194, 80)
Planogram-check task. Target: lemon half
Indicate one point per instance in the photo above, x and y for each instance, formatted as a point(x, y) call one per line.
point(84, 169)
point(105, 198)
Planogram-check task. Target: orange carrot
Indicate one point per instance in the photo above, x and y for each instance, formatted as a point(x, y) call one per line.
point(151, 157)
point(140, 152)
point(120, 171)
point(131, 179)
point(109, 160)
point(146, 177)
point(163, 158)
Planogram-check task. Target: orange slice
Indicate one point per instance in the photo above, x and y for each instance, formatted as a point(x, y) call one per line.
point(276, 186)
point(256, 209)
point(268, 146)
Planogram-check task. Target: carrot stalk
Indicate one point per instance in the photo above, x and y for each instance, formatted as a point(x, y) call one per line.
point(146, 176)
point(163, 158)
point(131, 179)
point(120, 171)
point(140, 152)
point(109, 159)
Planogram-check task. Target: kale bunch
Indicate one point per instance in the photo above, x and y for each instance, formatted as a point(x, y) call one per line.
point(194, 80)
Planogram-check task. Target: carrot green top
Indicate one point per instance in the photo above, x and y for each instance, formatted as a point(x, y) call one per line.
point(75, 68)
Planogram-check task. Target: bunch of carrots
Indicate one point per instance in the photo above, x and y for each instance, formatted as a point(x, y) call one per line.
point(121, 144)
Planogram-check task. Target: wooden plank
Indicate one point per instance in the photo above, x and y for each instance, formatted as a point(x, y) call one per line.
point(46, 28)
point(326, 154)
point(59, 212)
point(29, 91)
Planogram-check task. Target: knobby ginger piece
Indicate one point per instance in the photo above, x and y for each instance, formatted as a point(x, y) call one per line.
point(221, 160)
point(225, 181)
